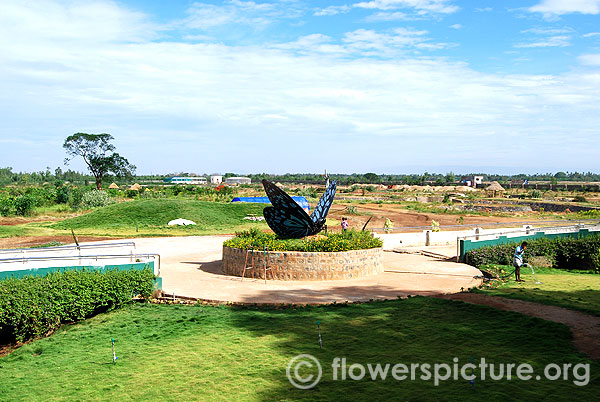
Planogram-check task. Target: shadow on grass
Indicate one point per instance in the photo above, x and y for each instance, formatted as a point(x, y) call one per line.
point(177, 352)
point(414, 330)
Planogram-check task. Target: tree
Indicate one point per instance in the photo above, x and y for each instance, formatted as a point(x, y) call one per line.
point(98, 154)
point(371, 178)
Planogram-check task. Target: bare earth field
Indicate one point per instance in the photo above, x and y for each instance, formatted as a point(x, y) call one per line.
point(403, 218)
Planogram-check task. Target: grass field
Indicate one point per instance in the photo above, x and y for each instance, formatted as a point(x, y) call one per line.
point(229, 353)
point(575, 290)
point(28, 229)
point(149, 218)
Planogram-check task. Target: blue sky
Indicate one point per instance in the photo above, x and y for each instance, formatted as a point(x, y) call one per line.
point(388, 86)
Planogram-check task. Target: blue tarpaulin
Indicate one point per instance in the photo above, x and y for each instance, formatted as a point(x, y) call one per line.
point(303, 202)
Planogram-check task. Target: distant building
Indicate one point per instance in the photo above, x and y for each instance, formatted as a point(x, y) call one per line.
point(472, 181)
point(185, 180)
point(238, 180)
point(216, 179)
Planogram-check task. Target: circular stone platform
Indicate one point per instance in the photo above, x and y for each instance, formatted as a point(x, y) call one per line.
point(191, 266)
point(305, 266)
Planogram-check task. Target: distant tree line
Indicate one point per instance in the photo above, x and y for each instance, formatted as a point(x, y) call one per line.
point(425, 178)
point(7, 177)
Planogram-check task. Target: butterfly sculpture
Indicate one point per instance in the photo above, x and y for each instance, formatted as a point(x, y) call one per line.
point(288, 220)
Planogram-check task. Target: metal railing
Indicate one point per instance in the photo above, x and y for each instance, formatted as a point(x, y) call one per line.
point(527, 231)
point(94, 257)
point(530, 230)
point(493, 224)
point(68, 247)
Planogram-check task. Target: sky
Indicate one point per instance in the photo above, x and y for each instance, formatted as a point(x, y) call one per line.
point(384, 86)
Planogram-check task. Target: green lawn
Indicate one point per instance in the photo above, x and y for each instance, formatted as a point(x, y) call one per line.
point(209, 353)
point(575, 290)
point(28, 229)
point(149, 218)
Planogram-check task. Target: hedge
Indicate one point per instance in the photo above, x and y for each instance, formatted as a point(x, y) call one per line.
point(565, 253)
point(344, 241)
point(33, 306)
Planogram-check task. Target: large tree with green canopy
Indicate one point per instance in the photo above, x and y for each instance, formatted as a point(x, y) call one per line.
point(98, 154)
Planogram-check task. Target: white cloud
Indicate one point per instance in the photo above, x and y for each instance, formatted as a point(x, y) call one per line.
point(548, 31)
point(332, 10)
point(591, 34)
point(257, 102)
point(93, 21)
point(456, 26)
point(365, 42)
point(559, 7)
point(552, 41)
point(428, 6)
point(590, 59)
point(388, 16)
point(206, 16)
point(547, 37)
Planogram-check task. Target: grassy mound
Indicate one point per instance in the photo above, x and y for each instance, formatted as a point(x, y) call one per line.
point(344, 241)
point(203, 353)
point(152, 216)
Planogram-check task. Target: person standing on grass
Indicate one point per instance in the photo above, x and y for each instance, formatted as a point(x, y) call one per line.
point(518, 260)
point(344, 224)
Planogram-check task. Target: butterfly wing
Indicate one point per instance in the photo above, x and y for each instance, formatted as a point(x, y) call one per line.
point(286, 224)
point(322, 209)
point(286, 218)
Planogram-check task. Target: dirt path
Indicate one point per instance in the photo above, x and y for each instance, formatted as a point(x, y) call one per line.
point(584, 327)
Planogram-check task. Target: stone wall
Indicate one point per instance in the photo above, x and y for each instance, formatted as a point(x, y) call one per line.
point(304, 266)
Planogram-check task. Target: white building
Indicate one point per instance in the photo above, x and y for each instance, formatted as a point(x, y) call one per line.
point(185, 180)
point(216, 179)
point(238, 180)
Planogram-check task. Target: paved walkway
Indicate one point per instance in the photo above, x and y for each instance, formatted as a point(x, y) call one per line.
point(191, 266)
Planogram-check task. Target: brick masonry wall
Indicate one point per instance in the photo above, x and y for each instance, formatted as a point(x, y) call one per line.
point(301, 266)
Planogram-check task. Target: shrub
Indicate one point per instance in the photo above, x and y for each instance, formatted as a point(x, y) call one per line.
point(535, 194)
point(309, 192)
point(132, 193)
point(579, 198)
point(348, 240)
point(62, 193)
point(25, 204)
point(6, 205)
point(563, 253)
point(75, 197)
point(95, 199)
point(33, 306)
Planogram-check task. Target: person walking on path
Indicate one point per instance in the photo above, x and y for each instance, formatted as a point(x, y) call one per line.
point(518, 260)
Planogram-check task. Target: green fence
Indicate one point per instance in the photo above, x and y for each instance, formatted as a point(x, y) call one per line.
point(468, 245)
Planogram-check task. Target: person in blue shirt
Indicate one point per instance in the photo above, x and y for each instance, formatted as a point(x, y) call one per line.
point(518, 260)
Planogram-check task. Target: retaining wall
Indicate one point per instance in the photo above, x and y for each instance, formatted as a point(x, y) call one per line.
point(305, 266)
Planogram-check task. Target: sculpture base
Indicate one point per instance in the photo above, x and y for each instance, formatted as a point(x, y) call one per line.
point(305, 266)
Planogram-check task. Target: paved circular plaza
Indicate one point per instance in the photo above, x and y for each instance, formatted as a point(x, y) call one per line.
point(191, 266)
